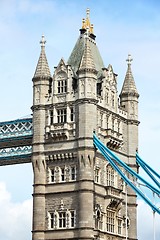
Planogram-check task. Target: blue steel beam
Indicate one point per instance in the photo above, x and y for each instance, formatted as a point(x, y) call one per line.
point(127, 168)
point(103, 149)
point(16, 128)
point(15, 141)
point(19, 159)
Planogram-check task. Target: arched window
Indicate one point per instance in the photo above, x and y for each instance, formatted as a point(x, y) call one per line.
point(99, 219)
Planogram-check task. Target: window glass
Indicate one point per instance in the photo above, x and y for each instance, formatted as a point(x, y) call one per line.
point(110, 176)
point(62, 86)
point(110, 221)
point(62, 115)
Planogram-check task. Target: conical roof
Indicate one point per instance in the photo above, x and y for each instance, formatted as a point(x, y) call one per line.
point(129, 86)
point(86, 35)
point(42, 69)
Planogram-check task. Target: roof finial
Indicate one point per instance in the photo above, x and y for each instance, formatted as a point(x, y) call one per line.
point(91, 28)
point(83, 23)
point(129, 59)
point(43, 41)
point(86, 25)
point(42, 69)
point(87, 13)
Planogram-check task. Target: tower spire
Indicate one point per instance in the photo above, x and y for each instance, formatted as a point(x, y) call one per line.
point(43, 42)
point(42, 69)
point(129, 86)
point(86, 25)
point(86, 45)
point(129, 59)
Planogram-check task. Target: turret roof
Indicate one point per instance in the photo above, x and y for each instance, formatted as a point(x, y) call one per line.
point(86, 37)
point(42, 69)
point(129, 86)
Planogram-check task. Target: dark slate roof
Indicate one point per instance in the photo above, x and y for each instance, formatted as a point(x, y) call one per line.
point(79, 50)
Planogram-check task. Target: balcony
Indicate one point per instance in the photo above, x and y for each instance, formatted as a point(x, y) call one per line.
point(60, 131)
point(115, 197)
point(112, 138)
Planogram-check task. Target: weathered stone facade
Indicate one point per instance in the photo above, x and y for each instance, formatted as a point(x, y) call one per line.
point(77, 194)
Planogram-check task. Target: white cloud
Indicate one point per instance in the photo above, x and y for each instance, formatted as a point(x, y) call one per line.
point(145, 222)
point(15, 220)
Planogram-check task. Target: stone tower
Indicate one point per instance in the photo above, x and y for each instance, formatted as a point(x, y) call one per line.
point(77, 195)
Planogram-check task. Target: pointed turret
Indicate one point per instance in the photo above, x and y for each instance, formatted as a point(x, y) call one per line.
point(42, 69)
point(41, 89)
point(129, 94)
point(129, 86)
point(42, 80)
point(87, 62)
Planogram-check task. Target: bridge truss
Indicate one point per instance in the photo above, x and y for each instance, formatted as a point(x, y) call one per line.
point(16, 141)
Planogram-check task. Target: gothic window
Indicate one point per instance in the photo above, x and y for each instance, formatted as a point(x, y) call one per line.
point(72, 114)
point(62, 115)
point(110, 222)
point(51, 117)
point(119, 226)
point(97, 175)
point(51, 220)
point(52, 172)
point(73, 173)
point(99, 220)
point(62, 174)
point(62, 219)
point(110, 176)
point(62, 86)
point(72, 221)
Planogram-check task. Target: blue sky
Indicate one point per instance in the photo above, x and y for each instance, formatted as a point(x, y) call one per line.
point(121, 27)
